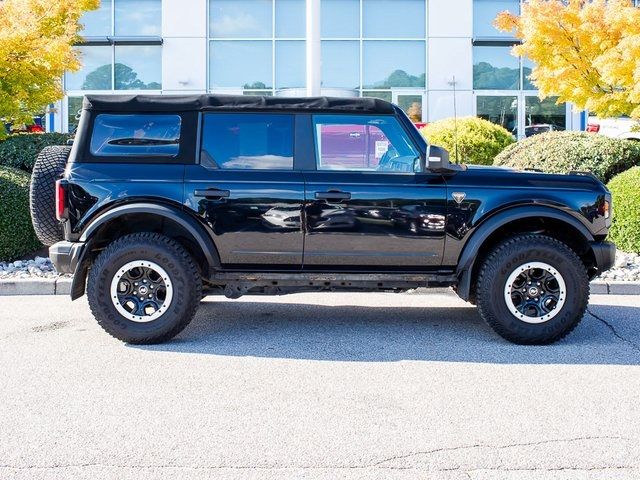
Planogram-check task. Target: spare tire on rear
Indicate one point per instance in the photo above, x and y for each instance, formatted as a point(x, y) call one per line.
point(48, 167)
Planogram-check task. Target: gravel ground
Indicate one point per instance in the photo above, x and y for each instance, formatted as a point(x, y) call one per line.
point(627, 268)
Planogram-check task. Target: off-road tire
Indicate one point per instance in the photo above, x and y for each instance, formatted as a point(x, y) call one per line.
point(168, 254)
point(508, 256)
point(48, 167)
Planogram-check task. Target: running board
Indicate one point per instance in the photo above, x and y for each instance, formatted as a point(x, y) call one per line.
point(236, 284)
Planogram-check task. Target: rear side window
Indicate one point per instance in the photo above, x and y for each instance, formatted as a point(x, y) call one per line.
point(136, 135)
point(248, 141)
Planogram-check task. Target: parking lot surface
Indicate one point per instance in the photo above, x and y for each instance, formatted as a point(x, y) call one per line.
point(310, 386)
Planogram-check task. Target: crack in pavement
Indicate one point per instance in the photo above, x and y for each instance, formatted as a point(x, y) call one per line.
point(496, 447)
point(379, 464)
point(615, 333)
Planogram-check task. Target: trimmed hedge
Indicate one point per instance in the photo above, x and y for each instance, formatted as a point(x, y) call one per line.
point(562, 152)
point(479, 140)
point(17, 237)
point(625, 229)
point(20, 150)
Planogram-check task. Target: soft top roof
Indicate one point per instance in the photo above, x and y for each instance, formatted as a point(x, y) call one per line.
point(181, 103)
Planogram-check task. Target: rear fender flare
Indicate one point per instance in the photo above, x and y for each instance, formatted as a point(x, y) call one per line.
point(197, 231)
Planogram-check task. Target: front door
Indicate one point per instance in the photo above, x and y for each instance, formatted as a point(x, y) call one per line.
point(246, 190)
point(367, 204)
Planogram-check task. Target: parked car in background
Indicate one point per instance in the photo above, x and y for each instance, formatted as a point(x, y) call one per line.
point(36, 127)
point(531, 130)
point(621, 127)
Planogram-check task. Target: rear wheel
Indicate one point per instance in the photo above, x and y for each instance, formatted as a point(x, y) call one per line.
point(144, 288)
point(532, 289)
point(47, 169)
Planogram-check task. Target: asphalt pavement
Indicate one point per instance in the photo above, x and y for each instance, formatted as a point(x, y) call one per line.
point(315, 386)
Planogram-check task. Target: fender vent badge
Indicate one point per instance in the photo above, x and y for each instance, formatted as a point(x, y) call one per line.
point(458, 197)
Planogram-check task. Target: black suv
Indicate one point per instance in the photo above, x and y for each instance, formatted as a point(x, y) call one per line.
point(162, 200)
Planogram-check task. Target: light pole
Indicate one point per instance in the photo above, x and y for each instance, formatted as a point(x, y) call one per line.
point(313, 48)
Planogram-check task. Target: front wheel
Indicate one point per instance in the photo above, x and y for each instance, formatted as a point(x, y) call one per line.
point(144, 288)
point(532, 289)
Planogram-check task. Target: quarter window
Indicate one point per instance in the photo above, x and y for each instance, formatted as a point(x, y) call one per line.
point(363, 143)
point(248, 141)
point(136, 135)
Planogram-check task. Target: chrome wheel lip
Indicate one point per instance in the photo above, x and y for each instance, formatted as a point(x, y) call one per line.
point(561, 295)
point(166, 283)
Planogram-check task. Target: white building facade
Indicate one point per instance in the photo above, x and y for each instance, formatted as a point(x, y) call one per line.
point(416, 53)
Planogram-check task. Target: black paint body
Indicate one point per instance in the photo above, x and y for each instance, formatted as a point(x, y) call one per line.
point(272, 220)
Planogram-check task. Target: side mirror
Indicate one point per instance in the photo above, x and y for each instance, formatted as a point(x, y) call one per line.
point(438, 158)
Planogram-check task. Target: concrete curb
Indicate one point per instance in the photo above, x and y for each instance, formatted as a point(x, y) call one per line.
point(35, 286)
point(62, 286)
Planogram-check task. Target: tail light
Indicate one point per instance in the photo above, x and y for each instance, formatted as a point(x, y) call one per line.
point(604, 209)
point(593, 127)
point(61, 200)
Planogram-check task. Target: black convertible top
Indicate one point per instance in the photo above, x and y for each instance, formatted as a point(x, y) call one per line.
point(181, 103)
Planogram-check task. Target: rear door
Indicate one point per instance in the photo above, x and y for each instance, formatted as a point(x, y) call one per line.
point(246, 190)
point(368, 204)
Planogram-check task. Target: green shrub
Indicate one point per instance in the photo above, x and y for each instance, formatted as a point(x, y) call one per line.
point(479, 141)
point(625, 230)
point(16, 232)
point(20, 150)
point(561, 152)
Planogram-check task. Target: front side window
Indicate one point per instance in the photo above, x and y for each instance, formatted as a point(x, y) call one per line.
point(248, 141)
point(363, 143)
point(136, 135)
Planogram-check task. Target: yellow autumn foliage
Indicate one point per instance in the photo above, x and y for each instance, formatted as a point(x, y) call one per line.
point(585, 51)
point(36, 38)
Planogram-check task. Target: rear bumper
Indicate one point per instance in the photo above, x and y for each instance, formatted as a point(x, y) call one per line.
point(65, 255)
point(604, 254)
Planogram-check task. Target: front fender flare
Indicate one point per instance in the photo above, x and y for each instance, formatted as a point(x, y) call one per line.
point(469, 254)
point(197, 231)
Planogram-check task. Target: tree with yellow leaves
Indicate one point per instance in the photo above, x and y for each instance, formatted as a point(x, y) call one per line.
point(36, 38)
point(586, 51)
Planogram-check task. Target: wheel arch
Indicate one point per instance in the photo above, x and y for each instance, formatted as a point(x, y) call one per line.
point(526, 219)
point(144, 217)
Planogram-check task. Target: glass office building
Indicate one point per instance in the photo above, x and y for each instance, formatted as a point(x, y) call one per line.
point(415, 53)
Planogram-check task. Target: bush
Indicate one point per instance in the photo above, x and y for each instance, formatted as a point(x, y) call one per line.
point(20, 150)
point(16, 232)
point(625, 230)
point(561, 152)
point(479, 141)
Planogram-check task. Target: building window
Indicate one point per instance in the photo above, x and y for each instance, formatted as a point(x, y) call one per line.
point(367, 47)
point(125, 18)
point(290, 73)
point(398, 19)
point(246, 19)
point(388, 64)
point(121, 47)
point(494, 68)
point(341, 64)
point(118, 67)
point(241, 64)
point(485, 12)
point(271, 46)
point(502, 110)
point(543, 115)
point(137, 17)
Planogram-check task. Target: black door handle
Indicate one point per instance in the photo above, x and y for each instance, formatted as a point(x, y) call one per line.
point(211, 193)
point(333, 195)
